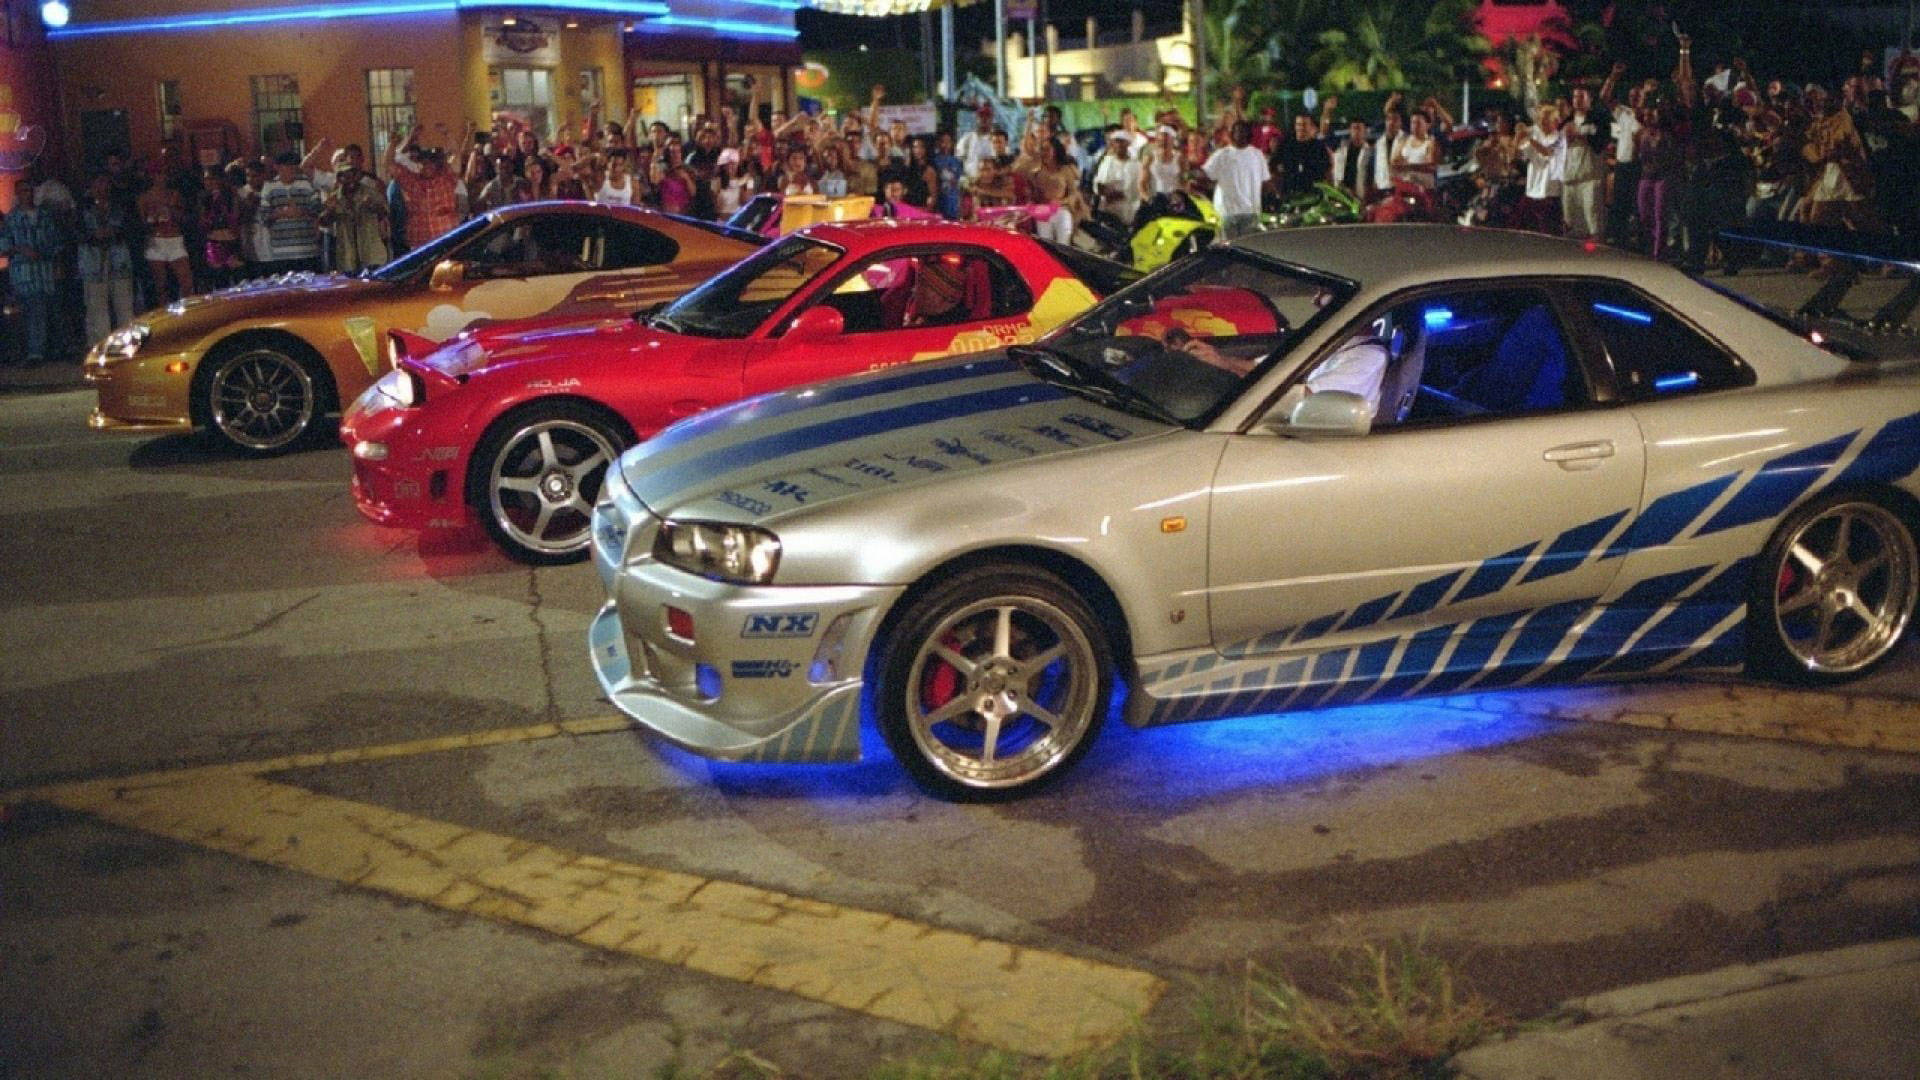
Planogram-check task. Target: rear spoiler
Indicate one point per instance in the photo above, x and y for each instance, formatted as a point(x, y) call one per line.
point(1853, 252)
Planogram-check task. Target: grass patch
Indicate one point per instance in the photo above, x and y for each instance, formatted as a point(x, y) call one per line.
point(1398, 1011)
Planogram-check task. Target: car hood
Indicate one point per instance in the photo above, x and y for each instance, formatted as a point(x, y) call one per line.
point(279, 296)
point(563, 338)
point(764, 457)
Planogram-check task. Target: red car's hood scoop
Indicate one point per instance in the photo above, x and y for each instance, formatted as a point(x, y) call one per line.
point(476, 350)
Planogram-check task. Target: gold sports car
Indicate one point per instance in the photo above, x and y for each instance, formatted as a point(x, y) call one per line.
point(258, 363)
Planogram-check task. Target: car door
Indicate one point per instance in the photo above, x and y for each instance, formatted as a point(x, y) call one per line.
point(1461, 533)
point(885, 302)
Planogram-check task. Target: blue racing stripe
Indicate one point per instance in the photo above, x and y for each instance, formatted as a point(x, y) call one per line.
point(1317, 627)
point(1423, 649)
point(767, 406)
point(1327, 667)
point(1635, 608)
point(1572, 547)
point(664, 485)
point(1493, 575)
point(1370, 612)
point(1678, 631)
point(1538, 638)
point(1669, 515)
point(1892, 454)
point(1778, 483)
point(1476, 647)
point(1426, 595)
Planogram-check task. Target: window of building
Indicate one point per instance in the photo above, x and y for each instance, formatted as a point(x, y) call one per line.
point(666, 98)
point(527, 94)
point(277, 124)
point(167, 95)
point(390, 112)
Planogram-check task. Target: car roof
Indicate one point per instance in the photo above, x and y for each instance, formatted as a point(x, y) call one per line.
point(639, 215)
point(1388, 257)
point(875, 232)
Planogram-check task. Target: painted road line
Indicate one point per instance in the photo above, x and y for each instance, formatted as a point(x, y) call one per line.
point(993, 992)
point(1752, 710)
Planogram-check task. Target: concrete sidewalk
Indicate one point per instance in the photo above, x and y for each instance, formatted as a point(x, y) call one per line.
point(1852, 1012)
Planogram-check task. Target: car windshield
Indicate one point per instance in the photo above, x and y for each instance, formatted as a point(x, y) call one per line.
point(431, 252)
point(740, 299)
point(1184, 341)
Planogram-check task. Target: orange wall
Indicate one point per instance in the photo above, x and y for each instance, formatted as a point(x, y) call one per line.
point(214, 68)
point(330, 58)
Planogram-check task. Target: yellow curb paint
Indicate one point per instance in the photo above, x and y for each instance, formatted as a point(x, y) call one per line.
point(1746, 709)
point(993, 992)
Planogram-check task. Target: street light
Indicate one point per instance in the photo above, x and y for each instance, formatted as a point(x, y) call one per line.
point(55, 13)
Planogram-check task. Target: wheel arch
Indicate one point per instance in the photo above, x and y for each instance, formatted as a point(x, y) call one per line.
point(1078, 575)
point(473, 484)
point(327, 392)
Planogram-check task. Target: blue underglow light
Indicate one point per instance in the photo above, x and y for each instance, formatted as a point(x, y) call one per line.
point(1437, 318)
point(1628, 314)
point(778, 5)
point(1685, 380)
point(213, 20)
point(723, 26)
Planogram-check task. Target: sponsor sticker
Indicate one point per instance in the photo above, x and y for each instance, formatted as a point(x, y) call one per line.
point(796, 625)
point(763, 669)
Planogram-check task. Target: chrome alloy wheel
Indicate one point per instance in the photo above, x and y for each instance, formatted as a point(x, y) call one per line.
point(1844, 588)
point(542, 485)
point(261, 399)
point(1002, 691)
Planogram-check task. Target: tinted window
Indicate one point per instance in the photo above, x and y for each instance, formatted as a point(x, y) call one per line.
point(530, 246)
point(635, 245)
point(1655, 354)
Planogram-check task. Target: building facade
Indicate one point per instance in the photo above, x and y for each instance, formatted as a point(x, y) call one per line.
point(217, 79)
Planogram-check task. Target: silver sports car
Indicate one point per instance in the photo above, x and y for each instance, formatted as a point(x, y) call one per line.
point(1324, 466)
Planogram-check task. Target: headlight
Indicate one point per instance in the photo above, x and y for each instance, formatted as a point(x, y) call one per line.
point(124, 342)
point(738, 553)
point(402, 387)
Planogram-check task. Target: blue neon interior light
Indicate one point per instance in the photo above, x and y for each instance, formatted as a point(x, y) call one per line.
point(724, 26)
point(1437, 318)
point(213, 20)
point(1628, 314)
point(1684, 380)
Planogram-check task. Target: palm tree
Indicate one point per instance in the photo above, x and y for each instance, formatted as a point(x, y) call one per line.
point(1391, 45)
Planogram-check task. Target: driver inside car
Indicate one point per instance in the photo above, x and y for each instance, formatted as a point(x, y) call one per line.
point(1357, 366)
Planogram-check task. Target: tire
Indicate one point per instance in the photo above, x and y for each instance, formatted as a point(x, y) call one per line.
point(262, 397)
point(959, 701)
point(536, 475)
point(1833, 593)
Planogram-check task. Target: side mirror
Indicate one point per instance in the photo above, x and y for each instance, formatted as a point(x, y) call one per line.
point(817, 323)
point(447, 274)
point(1331, 412)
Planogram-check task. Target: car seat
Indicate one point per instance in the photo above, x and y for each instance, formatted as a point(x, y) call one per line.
point(1402, 382)
point(1528, 370)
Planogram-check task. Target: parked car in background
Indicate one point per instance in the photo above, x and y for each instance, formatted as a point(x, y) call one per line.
point(258, 363)
point(517, 428)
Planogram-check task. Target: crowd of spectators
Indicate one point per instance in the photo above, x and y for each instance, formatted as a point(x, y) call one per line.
point(1659, 165)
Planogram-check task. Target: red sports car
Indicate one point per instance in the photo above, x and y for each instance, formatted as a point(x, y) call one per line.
point(517, 424)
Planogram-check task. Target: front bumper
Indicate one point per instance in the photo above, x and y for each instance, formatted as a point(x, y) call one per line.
point(772, 673)
point(418, 484)
point(144, 393)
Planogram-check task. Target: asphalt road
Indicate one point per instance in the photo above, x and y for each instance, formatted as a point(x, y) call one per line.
point(167, 607)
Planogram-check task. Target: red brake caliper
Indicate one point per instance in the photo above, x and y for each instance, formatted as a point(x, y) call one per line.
point(1784, 588)
point(942, 681)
